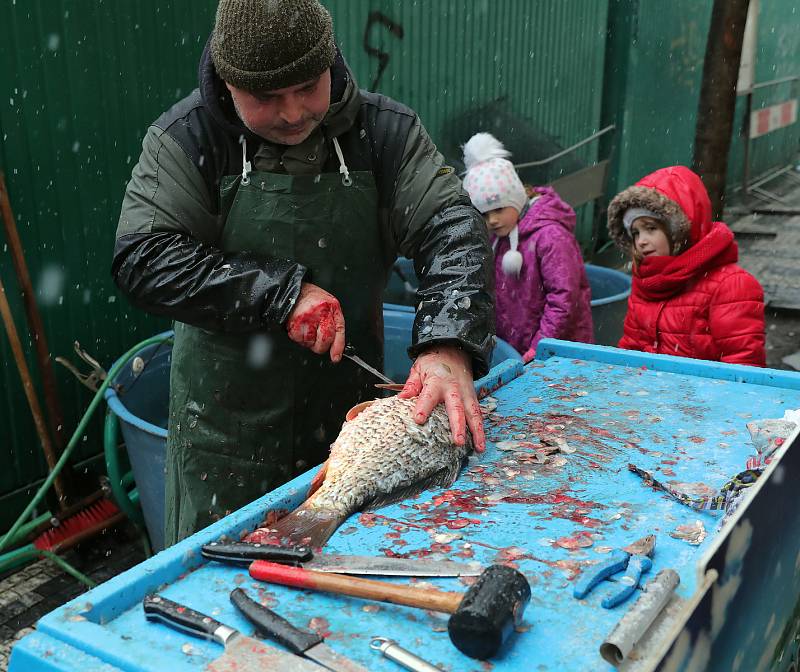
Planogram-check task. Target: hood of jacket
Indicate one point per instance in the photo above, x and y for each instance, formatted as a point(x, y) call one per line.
point(345, 99)
point(676, 193)
point(548, 209)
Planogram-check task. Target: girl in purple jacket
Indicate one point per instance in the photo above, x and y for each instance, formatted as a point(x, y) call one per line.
point(540, 279)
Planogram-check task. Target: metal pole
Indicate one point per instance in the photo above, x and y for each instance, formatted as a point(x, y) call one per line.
point(746, 169)
point(30, 393)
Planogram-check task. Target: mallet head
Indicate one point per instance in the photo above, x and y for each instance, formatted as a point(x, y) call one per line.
point(489, 612)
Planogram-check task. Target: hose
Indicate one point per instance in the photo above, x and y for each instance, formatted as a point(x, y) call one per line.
point(27, 553)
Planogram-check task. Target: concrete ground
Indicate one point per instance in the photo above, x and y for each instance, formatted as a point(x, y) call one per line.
point(769, 246)
point(29, 593)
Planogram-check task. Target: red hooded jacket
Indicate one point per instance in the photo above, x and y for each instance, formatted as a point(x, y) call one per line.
point(698, 303)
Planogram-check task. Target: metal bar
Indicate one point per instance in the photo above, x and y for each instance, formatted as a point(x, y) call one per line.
point(786, 212)
point(52, 403)
point(774, 82)
point(583, 142)
point(771, 196)
point(770, 176)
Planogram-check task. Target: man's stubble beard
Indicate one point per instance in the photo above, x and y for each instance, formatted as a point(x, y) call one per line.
point(278, 140)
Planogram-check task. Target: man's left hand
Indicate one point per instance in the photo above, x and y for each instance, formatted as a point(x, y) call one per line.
point(444, 374)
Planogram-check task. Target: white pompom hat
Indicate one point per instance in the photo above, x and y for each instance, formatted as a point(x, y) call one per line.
point(492, 183)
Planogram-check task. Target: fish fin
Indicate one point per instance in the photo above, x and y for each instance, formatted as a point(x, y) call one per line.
point(306, 526)
point(318, 480)
point(439, 479)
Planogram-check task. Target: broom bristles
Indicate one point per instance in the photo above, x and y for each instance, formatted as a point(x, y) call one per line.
point(69, 527)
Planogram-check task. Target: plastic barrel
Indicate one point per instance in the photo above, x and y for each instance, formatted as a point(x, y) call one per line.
point(610, 291)
point(139, 397)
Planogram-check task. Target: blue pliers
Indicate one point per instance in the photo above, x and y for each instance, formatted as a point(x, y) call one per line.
point(634, 558)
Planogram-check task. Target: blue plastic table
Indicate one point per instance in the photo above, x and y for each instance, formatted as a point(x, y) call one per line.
point(681, 419)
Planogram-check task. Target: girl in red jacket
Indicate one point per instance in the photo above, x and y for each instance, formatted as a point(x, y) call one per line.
point(689, 297)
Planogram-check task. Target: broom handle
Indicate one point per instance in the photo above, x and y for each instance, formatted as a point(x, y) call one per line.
point(297, 577)
point(27, 384)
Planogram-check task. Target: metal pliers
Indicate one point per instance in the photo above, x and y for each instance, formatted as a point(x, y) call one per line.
point(634, 558)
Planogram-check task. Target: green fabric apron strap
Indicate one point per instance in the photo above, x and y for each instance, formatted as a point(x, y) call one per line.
point(250, 411)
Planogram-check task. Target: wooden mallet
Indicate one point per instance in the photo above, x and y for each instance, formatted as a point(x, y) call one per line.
point(482, 618)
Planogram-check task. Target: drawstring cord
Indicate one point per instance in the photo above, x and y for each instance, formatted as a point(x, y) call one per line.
point(346, 181)
point(247, 168)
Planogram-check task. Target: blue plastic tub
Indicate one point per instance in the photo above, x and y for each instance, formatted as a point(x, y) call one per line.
point(610, 291)
point(139, 396)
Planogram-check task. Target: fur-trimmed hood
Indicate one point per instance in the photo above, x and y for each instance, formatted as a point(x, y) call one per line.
point(677, 193)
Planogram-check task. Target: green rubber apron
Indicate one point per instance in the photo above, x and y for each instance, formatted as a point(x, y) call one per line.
point(250, 411)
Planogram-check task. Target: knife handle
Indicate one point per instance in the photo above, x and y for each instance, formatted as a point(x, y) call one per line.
point(179, 617)
point(243, 553)
point(269, 624)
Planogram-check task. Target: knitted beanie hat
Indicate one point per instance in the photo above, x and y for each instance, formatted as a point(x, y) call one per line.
point(264, 45)
point(492, 183)
point(491, 180)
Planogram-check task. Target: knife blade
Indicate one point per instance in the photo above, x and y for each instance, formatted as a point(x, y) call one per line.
point(242, 653)
point(304, 643)
point(243, 553)
point(350, 353)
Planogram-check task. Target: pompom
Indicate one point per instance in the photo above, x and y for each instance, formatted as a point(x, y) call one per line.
point(482, 147)
point(512, 263)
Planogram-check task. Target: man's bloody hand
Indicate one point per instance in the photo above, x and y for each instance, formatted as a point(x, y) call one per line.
point(444, 374)
point(316, 322)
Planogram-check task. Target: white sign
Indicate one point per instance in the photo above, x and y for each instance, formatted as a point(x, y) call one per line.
point(747, 65)
point(771, 118)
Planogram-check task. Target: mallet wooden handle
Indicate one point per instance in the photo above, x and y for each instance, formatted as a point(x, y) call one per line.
point(297, 577)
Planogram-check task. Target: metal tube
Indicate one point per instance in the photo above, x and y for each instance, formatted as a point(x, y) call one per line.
point(639, 617)
point(774, 82)
point(746, 168)
point(542, 162)
point(401, 656)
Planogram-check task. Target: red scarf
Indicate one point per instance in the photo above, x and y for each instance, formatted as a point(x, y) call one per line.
point(659, 278)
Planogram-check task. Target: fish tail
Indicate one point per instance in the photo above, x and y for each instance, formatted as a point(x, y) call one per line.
point(307, 525)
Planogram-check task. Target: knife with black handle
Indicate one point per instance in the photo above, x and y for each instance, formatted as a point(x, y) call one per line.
point(302, 642)
point(242, 553)
point(242, 653)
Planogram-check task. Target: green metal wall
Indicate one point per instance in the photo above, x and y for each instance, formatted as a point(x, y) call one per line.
point(777, 56)
point(654, 70)
point(656, 50)
point(79, 82)
point(530, 72)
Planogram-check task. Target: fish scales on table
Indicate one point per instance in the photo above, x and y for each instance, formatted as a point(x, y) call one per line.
point(380, 457)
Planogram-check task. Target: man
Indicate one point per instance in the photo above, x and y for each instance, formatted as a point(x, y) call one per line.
point(264, 216)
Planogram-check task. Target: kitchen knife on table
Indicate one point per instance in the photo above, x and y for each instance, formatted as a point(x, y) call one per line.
point(242, 654)
point(243, 553)
point(302, 642)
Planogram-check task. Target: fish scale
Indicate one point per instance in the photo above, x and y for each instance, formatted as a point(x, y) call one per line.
point(380, 456)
